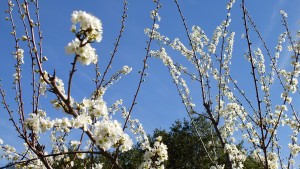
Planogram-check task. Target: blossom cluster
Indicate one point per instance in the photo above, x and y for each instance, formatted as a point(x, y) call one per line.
point(236, 156)
point(94, 108)
point(228, 55)
point(156, 156)
point(218, 166)
point(43, 84)
point(106, 132)
point(90, 30)
point(230, 4)
point(259, 61)
point(295, 149)
point(87, 54)
point(199, 39)
point(90, 26)
point(38, 122)
point(272, 158)
point(109, 133)
point(232, 112)
point(19, 55)
point(8, 151)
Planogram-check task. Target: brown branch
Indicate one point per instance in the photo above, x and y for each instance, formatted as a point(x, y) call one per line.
point(261, 125)
point(196, 59)
point(116, 45)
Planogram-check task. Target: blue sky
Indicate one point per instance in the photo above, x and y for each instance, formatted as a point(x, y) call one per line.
point(158, 103)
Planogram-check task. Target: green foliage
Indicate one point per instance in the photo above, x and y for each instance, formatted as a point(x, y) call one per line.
point(132, 159)
point(184, 146)
point(250, 163)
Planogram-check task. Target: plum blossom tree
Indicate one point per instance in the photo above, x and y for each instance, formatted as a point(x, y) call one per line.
point(91, 116)
point(225, 104)
point(258, 114)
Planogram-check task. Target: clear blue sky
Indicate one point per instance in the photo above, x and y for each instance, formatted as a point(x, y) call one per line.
point(158, 103)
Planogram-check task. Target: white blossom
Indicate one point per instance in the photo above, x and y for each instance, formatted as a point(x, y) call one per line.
point(98, 166)
point(86, 54)
point(126, 69)
point(19, 54)
point(109, 133)
point(38, 122)
point(283, 13)
point(154, 157)
point(95, 108)
point(83, 120)
point(88, 23)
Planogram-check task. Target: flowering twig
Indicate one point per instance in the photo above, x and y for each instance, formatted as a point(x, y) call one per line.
point(116, 45)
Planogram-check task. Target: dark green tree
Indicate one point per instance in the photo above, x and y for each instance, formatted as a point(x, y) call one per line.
point(184, 145)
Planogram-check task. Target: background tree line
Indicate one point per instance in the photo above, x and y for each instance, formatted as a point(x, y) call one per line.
point(185, 149)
